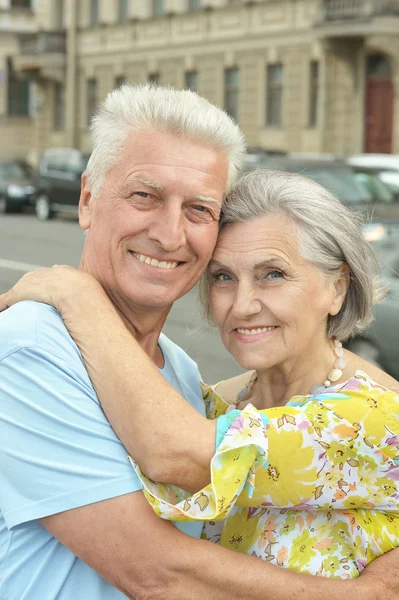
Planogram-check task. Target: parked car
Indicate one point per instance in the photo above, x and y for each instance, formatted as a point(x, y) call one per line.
point(16, 186)
point(340, 179)
point(387, 162)
point(380, 343)
point(58, 182)
point(386, 166)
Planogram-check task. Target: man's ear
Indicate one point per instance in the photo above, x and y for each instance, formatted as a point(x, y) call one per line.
point(341, 285)
point(85, 204)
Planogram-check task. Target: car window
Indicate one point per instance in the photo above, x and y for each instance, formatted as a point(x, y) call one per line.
point(341, 182)
point(378, 190)
point(13, 171)
point(55, 162)
point(73, 162)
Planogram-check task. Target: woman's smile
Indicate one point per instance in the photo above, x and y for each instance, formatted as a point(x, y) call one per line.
point(250, 335)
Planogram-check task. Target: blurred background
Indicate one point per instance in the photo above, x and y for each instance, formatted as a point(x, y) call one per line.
point(314, 85)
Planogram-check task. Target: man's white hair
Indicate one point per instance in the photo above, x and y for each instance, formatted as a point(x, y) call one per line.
point(153, 108)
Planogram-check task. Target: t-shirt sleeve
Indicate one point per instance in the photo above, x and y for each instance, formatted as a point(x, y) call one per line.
point(57, 449)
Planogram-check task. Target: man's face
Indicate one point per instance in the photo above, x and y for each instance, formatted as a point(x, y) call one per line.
point(154, 225)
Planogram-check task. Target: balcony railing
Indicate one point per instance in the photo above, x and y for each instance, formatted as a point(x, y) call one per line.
point(45, 42)
point(337, 10)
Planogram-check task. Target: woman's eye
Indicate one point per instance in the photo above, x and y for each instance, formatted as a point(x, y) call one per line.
point(221, 277)
point(274, 275)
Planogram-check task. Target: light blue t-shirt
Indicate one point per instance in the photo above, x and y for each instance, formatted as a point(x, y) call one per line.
point(59, 452)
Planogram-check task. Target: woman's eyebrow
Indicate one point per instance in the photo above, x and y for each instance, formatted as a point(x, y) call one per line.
point(215, 263)
point(270, 262)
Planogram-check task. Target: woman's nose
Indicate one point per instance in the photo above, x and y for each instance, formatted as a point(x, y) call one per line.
point(246, 302)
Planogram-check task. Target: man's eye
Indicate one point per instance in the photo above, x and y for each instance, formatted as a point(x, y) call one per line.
point(200, 208)
point(143, 194)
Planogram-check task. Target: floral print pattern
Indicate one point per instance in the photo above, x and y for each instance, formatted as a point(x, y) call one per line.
point(311, 486)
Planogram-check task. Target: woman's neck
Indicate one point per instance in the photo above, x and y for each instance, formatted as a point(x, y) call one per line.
point(276, 385)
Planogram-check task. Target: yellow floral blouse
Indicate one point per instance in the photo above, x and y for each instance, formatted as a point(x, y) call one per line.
point(311, 486)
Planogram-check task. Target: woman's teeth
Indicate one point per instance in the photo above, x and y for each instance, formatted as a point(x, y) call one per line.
point(254, 331)
point(154, 262)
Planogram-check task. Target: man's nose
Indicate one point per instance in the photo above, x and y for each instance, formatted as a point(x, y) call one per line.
point(246, 302)
point(169, 229)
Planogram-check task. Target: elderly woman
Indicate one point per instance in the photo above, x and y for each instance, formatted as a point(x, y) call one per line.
point(304, 472)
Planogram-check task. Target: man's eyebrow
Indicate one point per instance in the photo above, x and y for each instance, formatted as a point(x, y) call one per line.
point(208, 199)
point(147, 182)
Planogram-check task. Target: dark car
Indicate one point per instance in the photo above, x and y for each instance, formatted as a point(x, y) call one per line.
point(58, 182)
point(341, 179)
point(16, 186)
point(380, 342)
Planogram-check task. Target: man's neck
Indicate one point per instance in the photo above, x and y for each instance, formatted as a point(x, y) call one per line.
point(144, 323)
point(146, 328)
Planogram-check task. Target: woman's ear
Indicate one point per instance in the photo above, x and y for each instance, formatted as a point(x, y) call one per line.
point(341, 285)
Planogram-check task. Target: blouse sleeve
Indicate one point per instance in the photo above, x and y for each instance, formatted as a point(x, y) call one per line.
point(338, 450)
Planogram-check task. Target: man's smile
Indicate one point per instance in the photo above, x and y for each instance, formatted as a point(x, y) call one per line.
point(154, 262)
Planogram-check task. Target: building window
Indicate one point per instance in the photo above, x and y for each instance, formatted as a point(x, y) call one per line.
point(123, 12)
point(91, 99)
point(194, 4)
point(59, 107)
point(158, 7)
point(58, 14)
point(18, 94)
point(154, 78)
point(231, 90)
point(274, 110)
point(21, 4)
point(120, 81)
point(191, 81)
point(94, 12)
point(313, 92)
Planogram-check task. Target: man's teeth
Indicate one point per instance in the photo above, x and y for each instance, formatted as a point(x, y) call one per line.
point(154, 262)
point(254, 331)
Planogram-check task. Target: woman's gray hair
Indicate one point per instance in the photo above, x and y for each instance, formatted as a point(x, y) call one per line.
point(154, 108)
point(330, 236)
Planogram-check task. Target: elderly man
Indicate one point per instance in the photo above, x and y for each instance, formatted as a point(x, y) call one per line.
point(74, 524)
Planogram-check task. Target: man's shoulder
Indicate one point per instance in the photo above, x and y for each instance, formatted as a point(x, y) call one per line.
point(31, 324)
point(175, 353)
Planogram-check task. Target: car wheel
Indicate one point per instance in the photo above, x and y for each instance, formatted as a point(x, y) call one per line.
point(4, 206)
point(367, 350)
point(43, 208)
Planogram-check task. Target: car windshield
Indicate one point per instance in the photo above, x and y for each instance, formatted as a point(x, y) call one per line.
point(85, 160)
point(377, 188)
point(13, 172)
point(341, 182)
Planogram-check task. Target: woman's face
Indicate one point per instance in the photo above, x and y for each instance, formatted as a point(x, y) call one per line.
point(270, 304)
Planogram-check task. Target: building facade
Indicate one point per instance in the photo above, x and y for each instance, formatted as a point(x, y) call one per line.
point(298, 75)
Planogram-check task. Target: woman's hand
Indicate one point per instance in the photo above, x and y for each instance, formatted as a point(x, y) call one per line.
point(58, 286)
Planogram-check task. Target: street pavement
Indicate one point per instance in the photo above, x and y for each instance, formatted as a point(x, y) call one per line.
point(26, 242)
